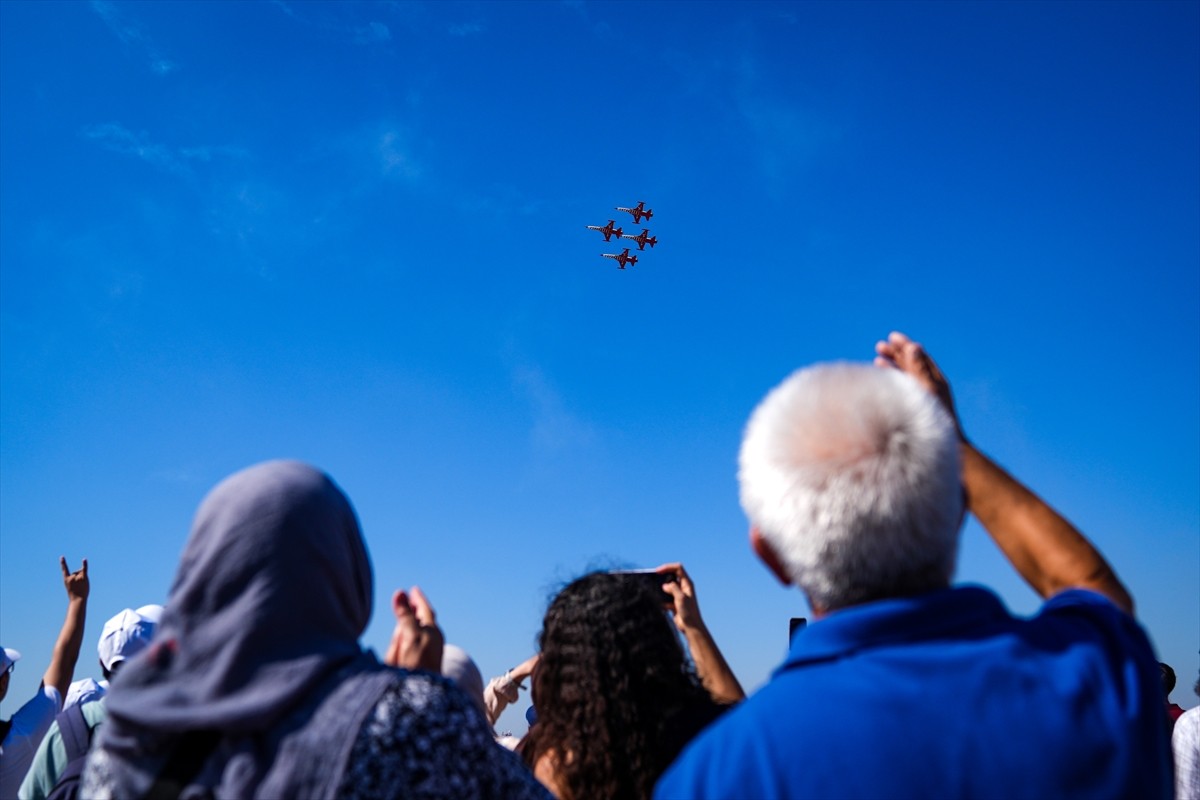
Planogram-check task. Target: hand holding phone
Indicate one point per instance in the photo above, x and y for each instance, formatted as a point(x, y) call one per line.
point(654, 580)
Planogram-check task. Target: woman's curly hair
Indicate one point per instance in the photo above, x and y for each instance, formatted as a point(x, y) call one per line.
point(616, 697)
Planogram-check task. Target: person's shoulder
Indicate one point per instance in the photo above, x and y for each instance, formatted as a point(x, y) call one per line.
point(1097, 612)
point(423, 691)
point(1078, 597)
point(425, 736)
point(39, 711)
point(94, 712)
point(1187, 727)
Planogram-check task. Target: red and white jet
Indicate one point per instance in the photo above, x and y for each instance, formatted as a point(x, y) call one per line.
point(638, 211)
point(644, 238)
point(621, 258)
point(608, 230)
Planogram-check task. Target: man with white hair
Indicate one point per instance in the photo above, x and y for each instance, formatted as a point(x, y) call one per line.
point(856, 479)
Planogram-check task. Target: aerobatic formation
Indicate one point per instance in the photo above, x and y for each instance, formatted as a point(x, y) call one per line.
point(644, 238)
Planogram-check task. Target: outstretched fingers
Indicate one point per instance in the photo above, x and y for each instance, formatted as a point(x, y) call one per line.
point(902, 353)
point(417, 641)
point(421, 607)
point(76, 583)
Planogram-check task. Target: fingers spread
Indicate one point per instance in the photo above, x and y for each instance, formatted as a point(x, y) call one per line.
point(422, 608)
point(401, 608)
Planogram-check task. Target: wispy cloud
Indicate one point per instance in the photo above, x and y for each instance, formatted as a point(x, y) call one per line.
point(599, 28)
point(501, 199)
point(787, 137)
point(176, 160)
point(372, 33)
point(318, 17)
point(466, 29)
point(554, 428)
point(133, 36)
point(395, 158)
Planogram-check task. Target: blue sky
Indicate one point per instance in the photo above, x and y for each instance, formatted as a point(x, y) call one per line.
point(353, 233)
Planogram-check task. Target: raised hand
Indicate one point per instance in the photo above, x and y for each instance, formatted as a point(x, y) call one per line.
point(900, 352)
point(417, 640)
point(76, 583)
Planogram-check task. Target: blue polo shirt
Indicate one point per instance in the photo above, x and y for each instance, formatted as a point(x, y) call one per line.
point(946, 695)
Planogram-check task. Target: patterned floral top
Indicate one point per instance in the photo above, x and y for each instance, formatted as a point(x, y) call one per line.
point(424, 742)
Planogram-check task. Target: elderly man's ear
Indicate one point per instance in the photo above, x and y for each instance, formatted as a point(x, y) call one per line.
point(767, 555)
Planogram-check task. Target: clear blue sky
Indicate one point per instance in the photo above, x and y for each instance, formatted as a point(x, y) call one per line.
point(353, 234)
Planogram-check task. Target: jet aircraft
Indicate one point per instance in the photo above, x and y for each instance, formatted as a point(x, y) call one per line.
point(638, 211)
point(644, 238)
point(622, 258)
point(608, 230)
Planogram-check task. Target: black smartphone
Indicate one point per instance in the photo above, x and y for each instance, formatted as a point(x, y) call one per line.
point(796, 624)
point(654, 581)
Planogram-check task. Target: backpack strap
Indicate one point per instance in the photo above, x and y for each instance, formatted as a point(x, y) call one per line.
point(76, 733)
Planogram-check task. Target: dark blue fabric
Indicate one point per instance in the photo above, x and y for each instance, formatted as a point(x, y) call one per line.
point(76, 738)
point(946, 695)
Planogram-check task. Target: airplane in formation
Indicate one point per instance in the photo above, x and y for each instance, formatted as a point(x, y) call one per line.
point(644, 238)
point(638, 211)
point(608, 230)
point(622, 258)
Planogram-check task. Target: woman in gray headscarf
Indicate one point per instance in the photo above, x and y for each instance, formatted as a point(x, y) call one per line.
point(256, 686)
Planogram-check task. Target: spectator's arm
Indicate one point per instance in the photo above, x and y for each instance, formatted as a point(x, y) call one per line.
point(1047, 551)
point(711, 665)
point(70, 638)
point(505, 689)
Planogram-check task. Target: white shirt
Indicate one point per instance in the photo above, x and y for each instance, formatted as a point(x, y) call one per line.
point(83, 691)
point(1185, 741)
point(29, 725)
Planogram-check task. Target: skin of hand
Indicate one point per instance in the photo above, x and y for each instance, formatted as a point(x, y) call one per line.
point(76, 583)
point(686, 608)
point(900, 352)
point(711, 667)
point(523, 670)
point(417, 640)
point(70, 638)
point(1046, 549)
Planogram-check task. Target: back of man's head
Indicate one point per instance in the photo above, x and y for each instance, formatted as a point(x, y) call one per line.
point(850, 473)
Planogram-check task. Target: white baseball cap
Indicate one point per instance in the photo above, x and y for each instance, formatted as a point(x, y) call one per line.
point(8, 657)
point(127, 634)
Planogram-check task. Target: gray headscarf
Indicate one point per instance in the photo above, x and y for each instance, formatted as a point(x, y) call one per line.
point(272, 593)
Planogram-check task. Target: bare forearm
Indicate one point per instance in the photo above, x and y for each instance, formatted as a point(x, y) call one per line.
point(66, 649)
point(712, 668)
point(1047, 551)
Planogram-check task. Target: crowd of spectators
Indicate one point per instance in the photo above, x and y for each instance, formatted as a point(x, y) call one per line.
point(251, 681)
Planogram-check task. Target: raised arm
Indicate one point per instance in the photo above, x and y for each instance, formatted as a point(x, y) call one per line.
point(711, 666)
point(70, 638)
point(504, 690)
point(1046, 549)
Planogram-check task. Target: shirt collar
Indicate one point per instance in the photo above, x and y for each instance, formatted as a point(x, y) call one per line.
point(895, 621)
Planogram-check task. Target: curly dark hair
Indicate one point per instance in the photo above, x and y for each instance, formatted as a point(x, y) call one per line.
point(616, 697)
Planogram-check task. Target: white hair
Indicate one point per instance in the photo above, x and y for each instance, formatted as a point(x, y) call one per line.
point(850, 473)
